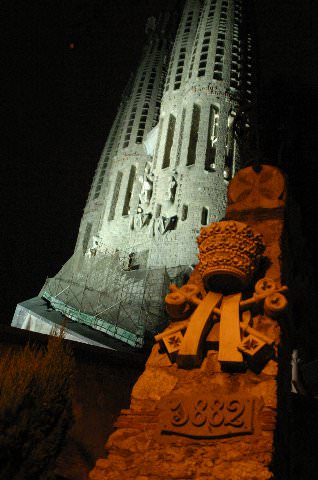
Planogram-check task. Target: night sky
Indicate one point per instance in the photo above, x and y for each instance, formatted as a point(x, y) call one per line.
point(65, 66)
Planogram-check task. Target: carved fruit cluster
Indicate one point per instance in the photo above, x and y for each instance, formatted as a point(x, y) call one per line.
point(231, 247)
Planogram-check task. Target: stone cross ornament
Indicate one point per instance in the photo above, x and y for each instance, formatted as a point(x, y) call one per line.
point(215, 304)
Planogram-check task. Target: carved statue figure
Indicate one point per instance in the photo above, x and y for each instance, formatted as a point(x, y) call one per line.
point(162, 224)
point(172, 187)
point(169, 211)
point(140, 220)
point(146, 181)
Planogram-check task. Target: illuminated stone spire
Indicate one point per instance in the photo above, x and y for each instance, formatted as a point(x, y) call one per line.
point(170, 157)
point(113, 195)
point(209, 77)
point(163, 172)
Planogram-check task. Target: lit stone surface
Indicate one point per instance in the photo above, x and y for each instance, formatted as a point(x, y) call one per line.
point(137, 449)
point(195, 153)
point(148, 201)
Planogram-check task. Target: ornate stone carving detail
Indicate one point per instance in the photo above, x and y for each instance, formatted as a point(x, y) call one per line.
point(168, 218)
point(163, 224)
point(252, 189)
point(139, 220)
point(229, 254)
point(256, 351)
point(172, 188)
point(234, 318)
point(96, 246)
point(208, 416)
point(179, 301)
point(179, 195)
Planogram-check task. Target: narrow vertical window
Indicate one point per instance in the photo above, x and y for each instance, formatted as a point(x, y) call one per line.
point(115, 196)
point(158, 210)
point(87, 235)
point(204, 216)
point(212, 139)
point(184, 212)
point(193, 134)
point(180, 137)
point(169, 141)
point(131, 179)
point(158, 143)
point(230, 146)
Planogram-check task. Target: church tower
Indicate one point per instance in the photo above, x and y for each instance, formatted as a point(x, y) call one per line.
point(196, 154)
point(163, 172)
point(114, 192)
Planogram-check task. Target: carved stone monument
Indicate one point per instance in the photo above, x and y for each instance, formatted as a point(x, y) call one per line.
point(206, 404)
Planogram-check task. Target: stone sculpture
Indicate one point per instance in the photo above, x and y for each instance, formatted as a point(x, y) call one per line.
point(230, 253)
point(168, 217)
point(262, 190)
point(172, 187)
point(146, 181)
point(216, 421)
point(139, 220)
point(162, 224)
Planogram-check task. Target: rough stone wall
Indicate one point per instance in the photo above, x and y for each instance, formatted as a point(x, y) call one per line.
point(138, 451)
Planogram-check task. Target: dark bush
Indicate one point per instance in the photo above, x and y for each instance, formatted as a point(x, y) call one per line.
point(35, 409)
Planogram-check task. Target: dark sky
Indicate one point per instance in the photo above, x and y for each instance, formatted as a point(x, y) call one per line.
point(59, 102)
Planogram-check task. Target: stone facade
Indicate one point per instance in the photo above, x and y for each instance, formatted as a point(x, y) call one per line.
point(193, 144)
point(165, 167)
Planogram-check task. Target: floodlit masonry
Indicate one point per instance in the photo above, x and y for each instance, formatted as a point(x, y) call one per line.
point(163, 172)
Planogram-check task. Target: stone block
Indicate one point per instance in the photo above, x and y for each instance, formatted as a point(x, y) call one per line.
point(154, 384)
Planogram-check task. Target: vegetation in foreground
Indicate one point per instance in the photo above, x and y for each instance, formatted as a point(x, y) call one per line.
point(35, 409)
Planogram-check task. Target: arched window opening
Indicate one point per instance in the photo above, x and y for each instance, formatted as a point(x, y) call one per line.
point(229, 148)
point(194, 134)
point(130, 184)
point(169, 141)
point(204, 216)
point(87, 235)
point(210, 154)
point(155, 155)
point(180, 137)
point(115, 196)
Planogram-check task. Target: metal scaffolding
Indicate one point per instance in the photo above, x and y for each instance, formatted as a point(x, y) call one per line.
point(103, 292)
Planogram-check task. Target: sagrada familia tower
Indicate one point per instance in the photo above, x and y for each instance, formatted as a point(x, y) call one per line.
point(163, 173)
